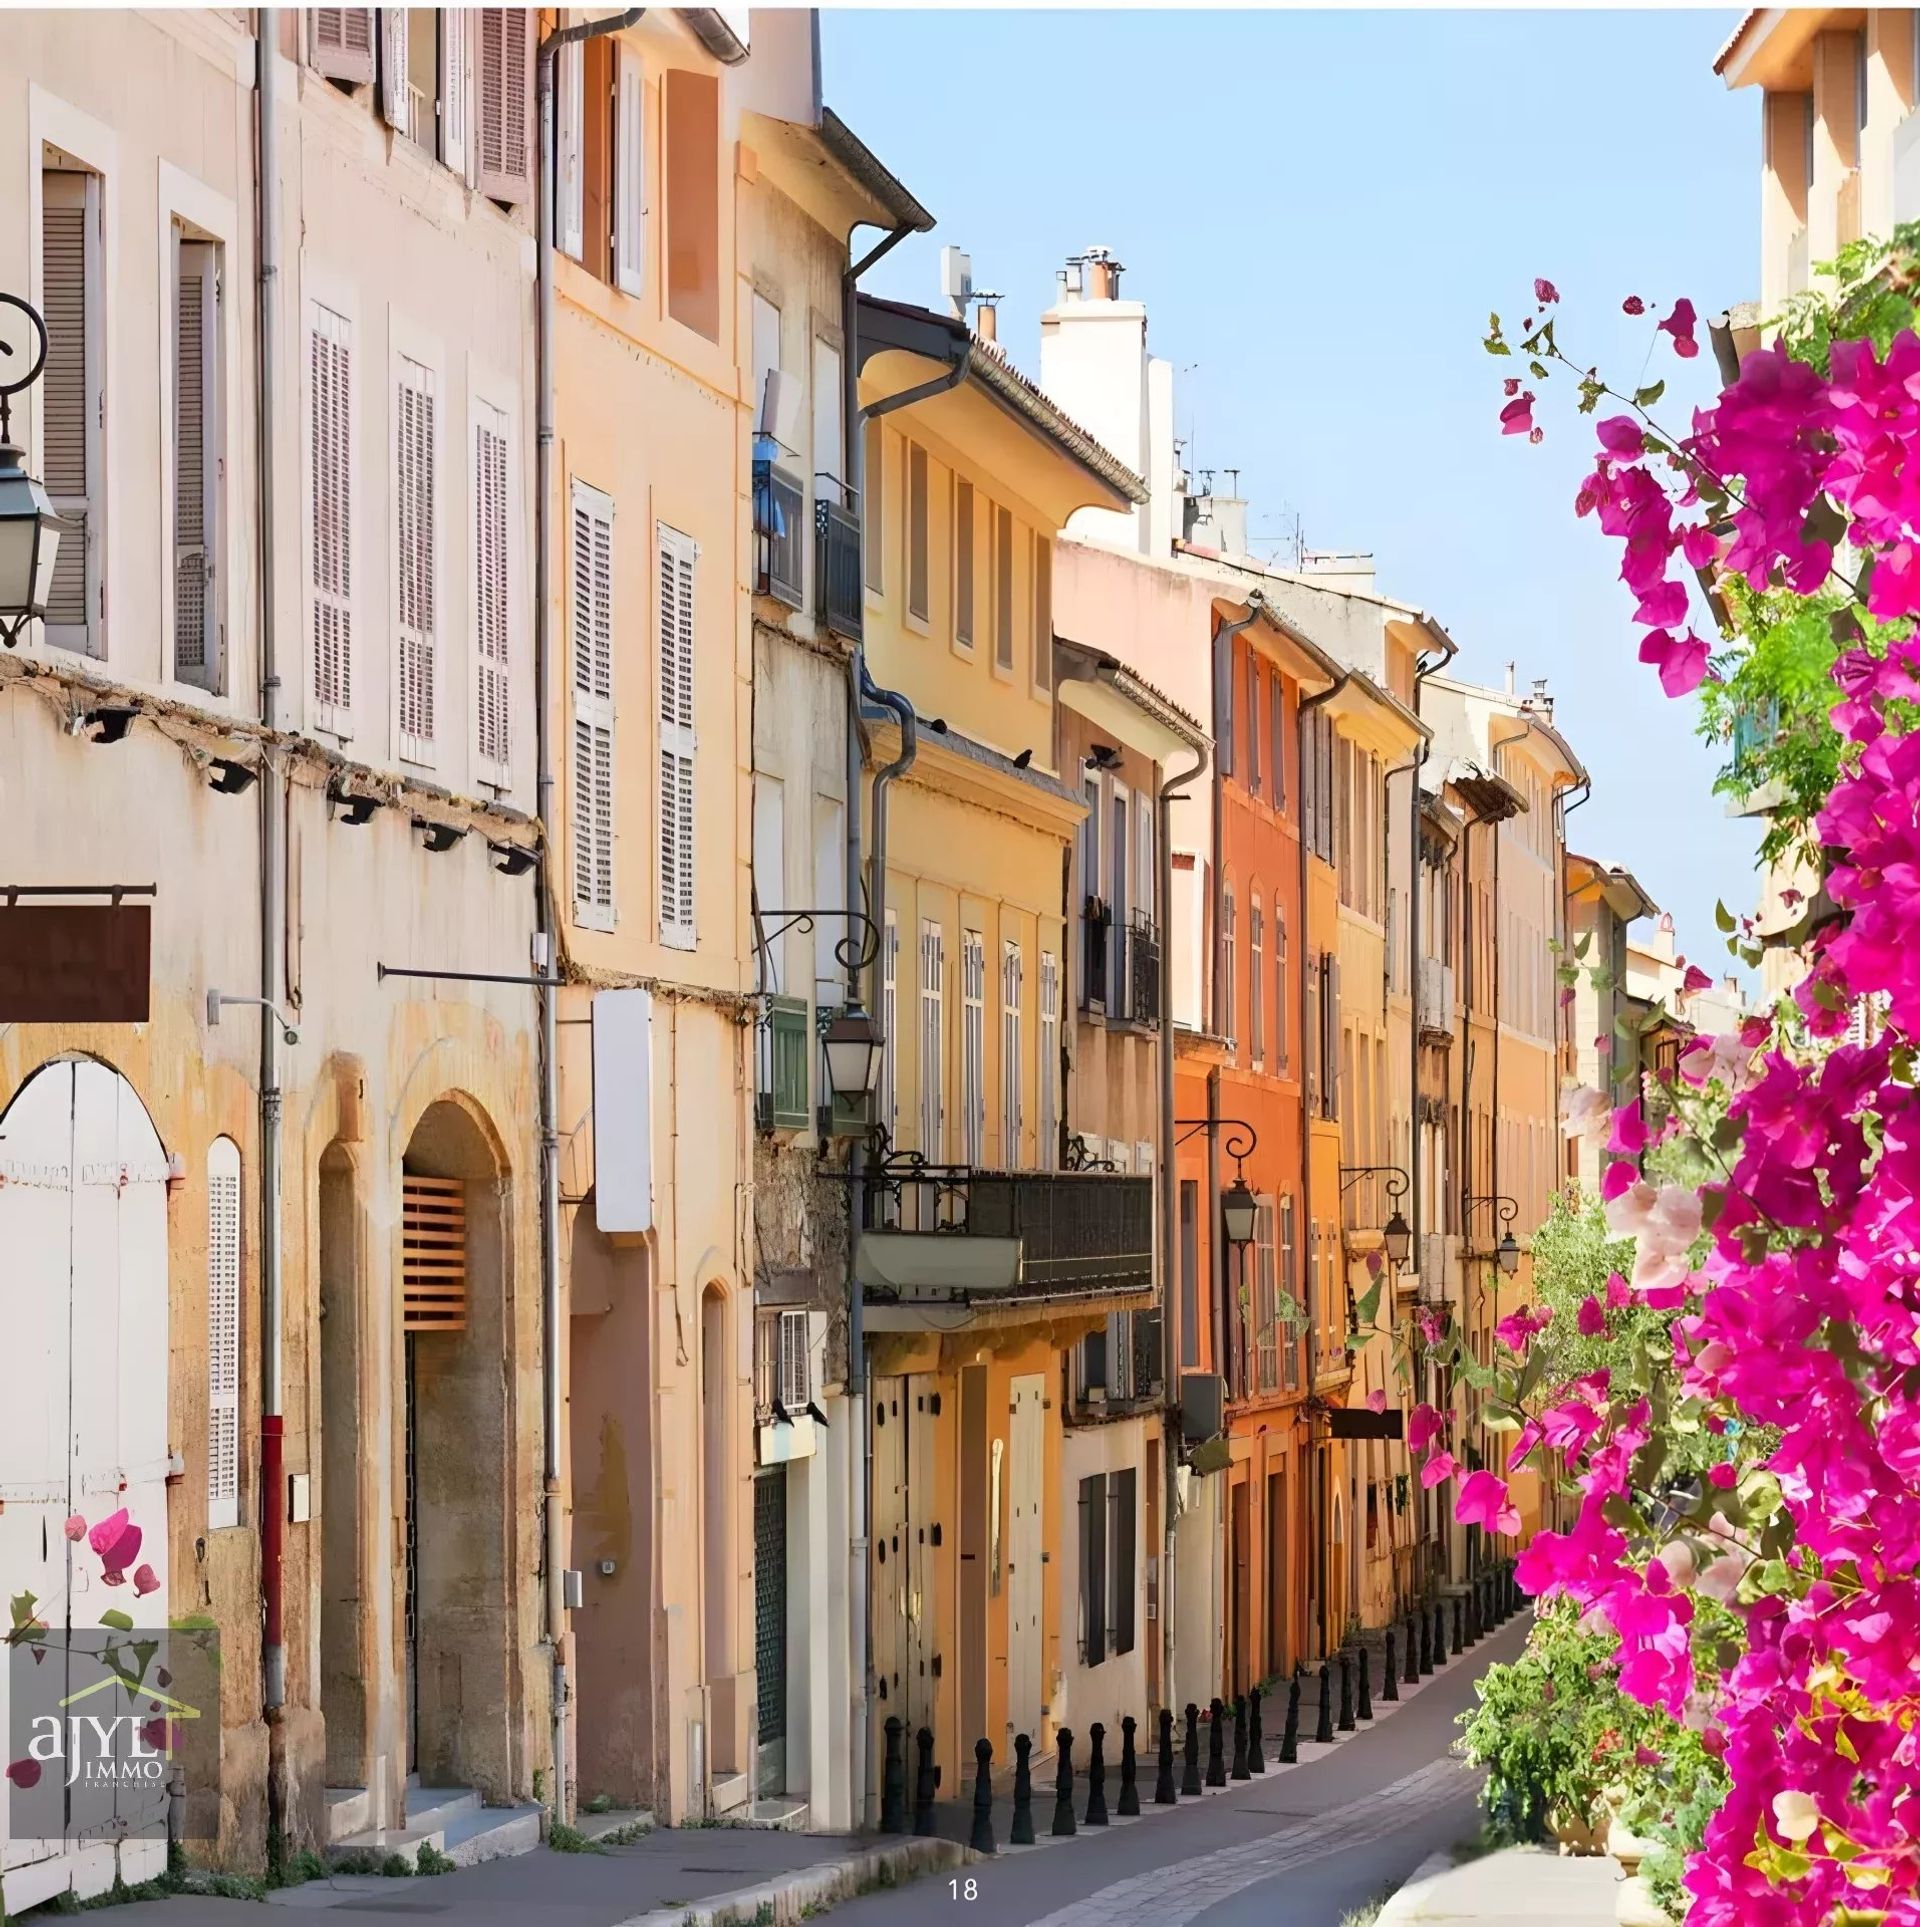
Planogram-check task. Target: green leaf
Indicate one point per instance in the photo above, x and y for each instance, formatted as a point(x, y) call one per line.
point(1646, 397)
point(1369, 1306)
point(119, 1621)
point(1723, 916)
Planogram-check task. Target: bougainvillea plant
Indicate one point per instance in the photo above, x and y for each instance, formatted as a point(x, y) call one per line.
point(1792, 1273)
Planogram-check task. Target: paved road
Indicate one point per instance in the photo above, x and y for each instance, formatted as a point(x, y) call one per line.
point(1294, 1849)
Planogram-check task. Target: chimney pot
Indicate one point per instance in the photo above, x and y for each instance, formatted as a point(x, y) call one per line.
point(986, 322)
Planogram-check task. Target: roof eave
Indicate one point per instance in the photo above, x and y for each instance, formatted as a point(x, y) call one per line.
point(865, 168)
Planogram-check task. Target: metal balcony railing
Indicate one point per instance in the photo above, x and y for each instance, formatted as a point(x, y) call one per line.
point(779, 522)
point(837, 567)
point(1140, 970)
point(1120, 972)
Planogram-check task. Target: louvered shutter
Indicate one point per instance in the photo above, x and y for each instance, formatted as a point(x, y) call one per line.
point(196, 463)
point(1047, 1071)
point(493, 692)
point(223, 1334)
point(1013, 1116)
point(456, 88)
point(330, 508)
point(504, 108)
point(794, 1379)
point(433, 1254)
point(393, 70)
point(570, 126)
point(973, 1047)
point(678, 843)
point(340, 42)
point(416, 458)
point(69, 399)
point(590, 806)
point(630, 174)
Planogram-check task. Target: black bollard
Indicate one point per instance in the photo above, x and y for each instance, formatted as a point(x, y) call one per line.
point(923, 1783)
point(1290, 1733)
point(1256, 1759)
point(981, 1839)
point(1389, 1675)
point(1021, 1832)
point(1323, 1727)
point(1096, 1775)
point(1365, 1707)
point(1489, 1611)
point(1412, 1674)
point(1217, 1744)
point(1164, 1793)
point(1063, 1785)
point(1238, 1770)
point(1459, 1626)
point(1190, 1779)
point(1439, 1635)
point(1473, 1616)
point(1426, 1645)
point(1346, 1691)
point(1129, 1770)
point(893, 1781)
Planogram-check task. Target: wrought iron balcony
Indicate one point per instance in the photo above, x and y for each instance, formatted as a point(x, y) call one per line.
point(837, 568)
point(779, 522)
point(1120, 973)
point(1140, 970)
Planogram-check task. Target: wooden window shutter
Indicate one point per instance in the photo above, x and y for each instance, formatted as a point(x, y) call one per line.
point(456, 88)
point(330, 506)
point(570, 123)
point(196, 462)
point(433, 1254)
point(223, 1334)
point(416, 457)
point(793, 1379)
point(69, 398)
point(630, 174)
point(505, 104)
point(1042, 612)
point(493, 693)
point(678, 843)
point(393, 71)
point(590, 804)
point(340, 42)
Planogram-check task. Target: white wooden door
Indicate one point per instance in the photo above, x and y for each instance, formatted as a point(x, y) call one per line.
point(1026, 1543)
point(919, 1561)
point(889, 1561)
point(83, 1400)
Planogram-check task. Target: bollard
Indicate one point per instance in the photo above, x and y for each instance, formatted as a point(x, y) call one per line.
point(923, 1783)
point(1096, 1775)
point(1190, 1779)
point(1439, 1635)
point(1021, 1832)
point(1426, 1645)
point(893, 1781)
point(1473, 1616)
point(1063, 1786)
point(1346, 1691)
point(981, 1839)
point(1238, 1771)
point(1489, 1608)
point(1323, 1727)
point(1129, 1770)
point(1365, 1707)
point(1217, 1744)
point(1164, 1793)
point(1459, 1626)
point(1290, 1733)
point(1389, 1676)
point(1412, 1674)
point(1256, 1760)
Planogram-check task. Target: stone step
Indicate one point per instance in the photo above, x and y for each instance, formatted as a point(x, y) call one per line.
point(778, 1813)
point(730, 1792)
point(452, 1821)
point(597, 1826)
point(349, 1810)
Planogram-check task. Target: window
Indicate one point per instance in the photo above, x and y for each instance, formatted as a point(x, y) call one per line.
point(629, 173)
point(1223, 702)
point(198, 462)
point(1003, 589)
point(72, 404)
point(1227, 963)
point(1256, 983)
point(1289, 1307)
point(1277, 754)
point(340, 43)
point(1125, 1504)
point(570, 141)
point(504, 104)
point(829, 456)
point(973, 1048)
point(1042, 612)
point(330, 508)
point(1047, 1068)
point(677, 554)
point(223, 1334)
point(1189, 1272)
point(415, 462)
point(600, 137)
point(693, 200)
point(493, 690)
point(873, 476)
point(1266, 1308)
point(933, 983)
point(962, 564)
point(1329, 1007)
point(1280, 991)
point(1013, 1063)
point(917, 558)
point(590, 806)
point(1093, 1569)
point(766, 353)
point(1253, 722)
point(426, 78)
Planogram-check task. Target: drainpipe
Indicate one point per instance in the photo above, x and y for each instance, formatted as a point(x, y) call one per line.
point(1169, 1195)
point(273, 911)
point(546, 935)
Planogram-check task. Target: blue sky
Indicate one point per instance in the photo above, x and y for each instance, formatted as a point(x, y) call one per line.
point(1319, 210)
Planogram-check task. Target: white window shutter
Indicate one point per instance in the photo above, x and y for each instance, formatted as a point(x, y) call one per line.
point(416, 458)
point(196, 463)
point(1047, 1066)
point(493, 691)
point(340, 42)
point(630, 175)
point(456, 88)
point(794, 1377)
point(393, 70)
point(330, 511)
point(590, 806)
point(570, 130)
point(504, 107)
point(933, 979)
point(678, 843)
point(223, 1334)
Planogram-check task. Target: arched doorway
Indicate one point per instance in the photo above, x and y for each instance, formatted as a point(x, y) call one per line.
point(456, 1501)
point(83, 1404)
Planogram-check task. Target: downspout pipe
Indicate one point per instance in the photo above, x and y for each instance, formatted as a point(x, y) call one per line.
point(546, 933)
point(273, 905)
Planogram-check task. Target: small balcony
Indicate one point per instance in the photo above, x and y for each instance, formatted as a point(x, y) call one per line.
point(949, 1245)
point(779, 521)
point(1120, 975)
point(1140, 970)
point(837, 565)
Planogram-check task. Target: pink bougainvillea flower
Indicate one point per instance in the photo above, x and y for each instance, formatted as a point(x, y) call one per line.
point(1617, 1179)
point(1544, 291)
point(1593, 1317)
point(1695, 981)
point(1437, 1471)
point(1376, 1401)
point(118, 1550)
point(107, 1532)
point(1700, 546)
point(1511, 386)
point(1582, 1110)
point(1517, 417)
point(75, 1528)
point(24, 1773)
point(1681, 660)
point(159, 1734)
point(146, 1580)
point(1679, 324)
point(1618, 1293)
point(1621, 436)
point(1629, 1137)
point(1424, 1425)
point(1633, 305)
point(1485, 1501)
point(1723, 1475)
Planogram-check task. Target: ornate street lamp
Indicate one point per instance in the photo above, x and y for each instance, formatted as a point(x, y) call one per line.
point(1399, 1240)
point(1396, 1234)
point(1239, 1209)
point(29, 529)
point(853, 1044)
point(1238, 1212)
point(1506, 1254)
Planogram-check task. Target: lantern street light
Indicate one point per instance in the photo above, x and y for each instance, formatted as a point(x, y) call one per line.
point(1506, 1254)
point(29, 529)
point(1396, 1234)
point(1238, 1212)
point(1239, 1209)
point(852, 1042)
